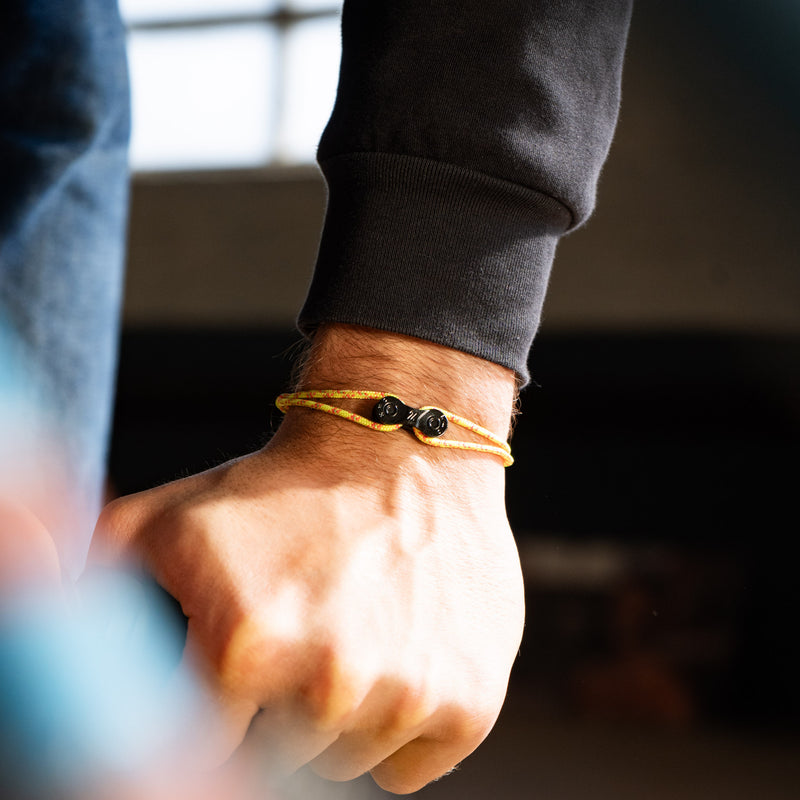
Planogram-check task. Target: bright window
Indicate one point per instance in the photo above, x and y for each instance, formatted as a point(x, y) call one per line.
point(230, 83)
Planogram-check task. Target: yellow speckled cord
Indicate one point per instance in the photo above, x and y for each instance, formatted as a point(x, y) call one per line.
point(311, 398)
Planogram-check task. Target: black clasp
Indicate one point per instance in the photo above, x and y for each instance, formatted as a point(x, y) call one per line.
point(390, 410)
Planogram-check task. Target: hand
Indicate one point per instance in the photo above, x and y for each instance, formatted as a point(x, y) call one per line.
point(354, 597)
point(28, 556)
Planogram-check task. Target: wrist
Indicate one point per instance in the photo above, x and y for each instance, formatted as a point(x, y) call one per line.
point(418, 371)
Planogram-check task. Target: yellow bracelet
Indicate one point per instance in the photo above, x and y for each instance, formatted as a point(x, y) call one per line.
point(427, 422)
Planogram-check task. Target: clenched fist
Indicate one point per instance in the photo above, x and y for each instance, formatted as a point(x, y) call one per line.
point(354, 598)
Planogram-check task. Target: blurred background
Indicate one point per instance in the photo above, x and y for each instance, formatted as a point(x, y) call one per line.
point(655, 492)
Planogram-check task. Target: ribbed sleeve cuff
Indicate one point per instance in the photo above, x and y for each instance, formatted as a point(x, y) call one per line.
point(435, 251)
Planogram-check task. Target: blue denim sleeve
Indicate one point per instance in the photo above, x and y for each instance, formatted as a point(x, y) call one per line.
point(64, 129)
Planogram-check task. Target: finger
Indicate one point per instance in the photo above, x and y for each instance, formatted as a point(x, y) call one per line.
point(430, 756)
point(285, 739)
point(220, 716)
point(252, 666)
point(353, 754)
point(416, 764)
point(391, 716)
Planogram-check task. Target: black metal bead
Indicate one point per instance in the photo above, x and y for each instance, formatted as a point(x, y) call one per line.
point(389, 410)
point(432, 422)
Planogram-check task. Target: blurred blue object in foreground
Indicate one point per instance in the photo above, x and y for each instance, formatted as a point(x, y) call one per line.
point(19, 407)
point(91, 689)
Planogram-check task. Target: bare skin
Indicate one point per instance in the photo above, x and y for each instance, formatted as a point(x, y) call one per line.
point(355, 598)
point(28, 556)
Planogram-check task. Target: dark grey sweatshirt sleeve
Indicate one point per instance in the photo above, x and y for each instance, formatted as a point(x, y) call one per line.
point(467, 137)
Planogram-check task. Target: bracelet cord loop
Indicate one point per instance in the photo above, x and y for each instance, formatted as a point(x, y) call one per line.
point(311, 399)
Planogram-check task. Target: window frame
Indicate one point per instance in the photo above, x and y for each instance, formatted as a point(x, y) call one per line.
point(282, 20)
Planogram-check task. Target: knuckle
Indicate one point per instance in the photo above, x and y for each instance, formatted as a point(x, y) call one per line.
point(409, 709)
point(466, 728)
point(244, 650)
point(115, 527)
point(334, 690)
point(114, 516)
